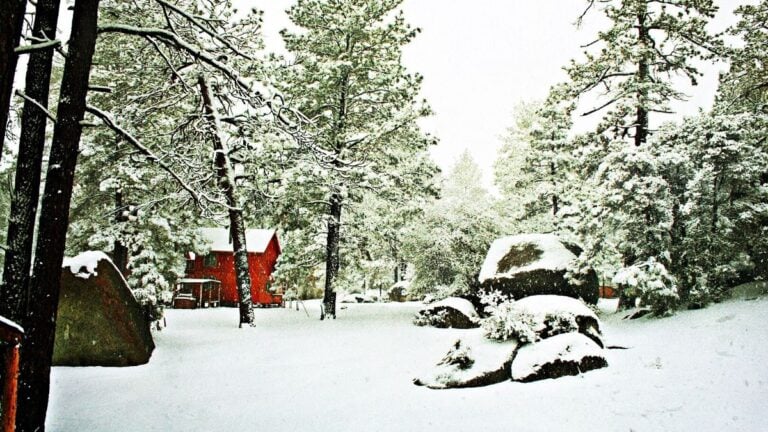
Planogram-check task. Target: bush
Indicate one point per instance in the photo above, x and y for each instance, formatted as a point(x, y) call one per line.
point(652, 283)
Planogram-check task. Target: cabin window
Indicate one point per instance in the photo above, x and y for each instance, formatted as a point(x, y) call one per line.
point(209, 260)
point(190, 266)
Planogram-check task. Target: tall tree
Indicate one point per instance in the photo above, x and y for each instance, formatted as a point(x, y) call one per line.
point(348, 77)
point(745, 86)
point(11, 21)
point(21, 227)
point(630, 66)
point(447, 246)
point(40, 323)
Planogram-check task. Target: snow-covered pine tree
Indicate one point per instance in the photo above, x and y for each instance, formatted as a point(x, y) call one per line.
point(186, 44)
point(745, 86)
point(536, 168)
point(348, 77)
point(630, 67)
point(448, 244)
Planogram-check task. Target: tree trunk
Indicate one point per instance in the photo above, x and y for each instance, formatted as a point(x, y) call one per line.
point(332, 255)
point(40, 325)
point(11, 21)
point(21, 223)
point(120, 252)
point(643, 75)
point(225, 173)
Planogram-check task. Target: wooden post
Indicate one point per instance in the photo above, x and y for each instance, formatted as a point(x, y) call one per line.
point(10, 381)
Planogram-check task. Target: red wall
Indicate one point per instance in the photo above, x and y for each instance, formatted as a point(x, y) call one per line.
point(261, 266)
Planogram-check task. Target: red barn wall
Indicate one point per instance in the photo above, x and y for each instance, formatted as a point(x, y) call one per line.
point(261, 267)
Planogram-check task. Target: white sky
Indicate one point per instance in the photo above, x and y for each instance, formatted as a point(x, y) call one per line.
point(480, 57)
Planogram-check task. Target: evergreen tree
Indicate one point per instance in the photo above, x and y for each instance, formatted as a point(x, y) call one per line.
point(630, 66)
point(745, 86)
point(349, 79)
point(447, 246)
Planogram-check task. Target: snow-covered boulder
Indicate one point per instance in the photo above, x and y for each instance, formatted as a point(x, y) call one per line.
point(472, 361)
point(551, 315)
point(100, 322)
point(399, 291)
point(557, 356)
point(529, 264)
point(452, 312)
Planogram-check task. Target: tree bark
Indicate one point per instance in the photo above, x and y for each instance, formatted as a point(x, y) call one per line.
point(119, 251)
point(40, 325)
point(332, 255)
point(21, 223)
point(225, 173)
point(11, 21)
point(643, 75)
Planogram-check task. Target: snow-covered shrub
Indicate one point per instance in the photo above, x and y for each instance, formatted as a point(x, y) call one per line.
point(537, 317)
point(452, 312)
point(505, 322)
point(459, 355)
point(652, 283)
point(433, 319)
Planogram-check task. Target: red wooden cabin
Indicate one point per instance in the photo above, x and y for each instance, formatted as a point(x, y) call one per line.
point(219, 264)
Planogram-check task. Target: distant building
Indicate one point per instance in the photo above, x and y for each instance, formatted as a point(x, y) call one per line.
point(219, 265)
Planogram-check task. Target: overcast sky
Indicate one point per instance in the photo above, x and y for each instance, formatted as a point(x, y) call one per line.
point(480, 57)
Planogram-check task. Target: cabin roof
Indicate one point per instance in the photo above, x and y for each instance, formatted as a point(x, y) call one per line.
point(256, 240)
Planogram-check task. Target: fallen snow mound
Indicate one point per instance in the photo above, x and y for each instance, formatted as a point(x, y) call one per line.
point(530, 264)
point(561, 355)
point(452, 312)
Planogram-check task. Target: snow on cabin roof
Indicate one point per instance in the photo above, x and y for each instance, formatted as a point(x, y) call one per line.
point(256, 240)
point(554, 255)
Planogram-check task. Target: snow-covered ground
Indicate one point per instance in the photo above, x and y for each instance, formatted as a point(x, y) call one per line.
point(697, 371)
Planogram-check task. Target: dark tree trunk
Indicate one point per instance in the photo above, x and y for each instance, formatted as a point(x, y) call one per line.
point(332, 255)
point(11, 22)
point(120, 252)
point(224, 171)
point(40, 325)
point(21, 223)
point(643, 76)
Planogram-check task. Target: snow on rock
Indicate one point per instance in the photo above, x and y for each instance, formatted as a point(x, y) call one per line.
point(529, 264)
point(472, 361)
point(546, 251)
point(561, 355)
point(84, 265)
point(452, 312)
point(542, 316)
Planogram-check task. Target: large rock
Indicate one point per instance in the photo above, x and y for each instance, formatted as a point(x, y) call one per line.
point(100, 323)
point(530, 264)
point(452, 312)
point(472, 361)
point(555, 357)
point(551, 315)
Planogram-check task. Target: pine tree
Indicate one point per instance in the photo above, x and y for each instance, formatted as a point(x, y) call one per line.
point(448, 244)
point(630, 66)
point(349, 79)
